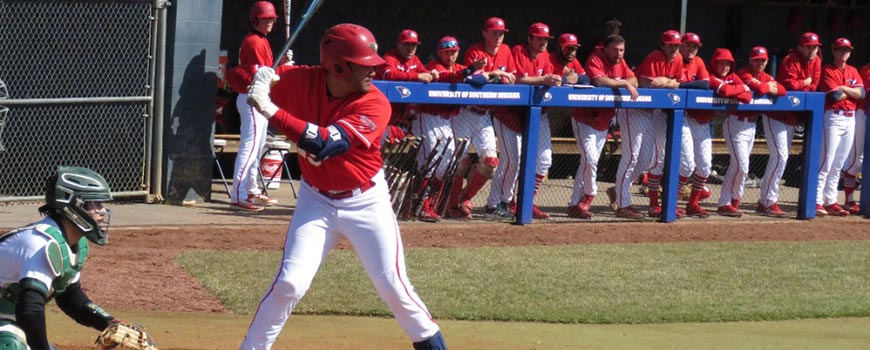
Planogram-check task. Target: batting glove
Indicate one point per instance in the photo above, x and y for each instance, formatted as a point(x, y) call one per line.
point(258, 91)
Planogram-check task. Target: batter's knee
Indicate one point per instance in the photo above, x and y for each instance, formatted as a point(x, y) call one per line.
point(487, 167)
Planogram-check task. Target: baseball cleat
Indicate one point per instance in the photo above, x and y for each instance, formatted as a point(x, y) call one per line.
point(499, 212)
point(611, 195)
point(852, 207)
point(629, 212)
point(695, 210)
point(539, 214)
point(820, 210)
point(262, 199)
point(772, 211)
point(655, 212)
point(730, 211)
point(428, 215)
point(705, 193)
point(246, 206)
point(579, 212)
point(836, 210)
point(680, 213)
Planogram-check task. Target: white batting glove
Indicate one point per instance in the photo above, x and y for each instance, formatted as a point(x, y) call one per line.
point(258, 91)
point(288, 57)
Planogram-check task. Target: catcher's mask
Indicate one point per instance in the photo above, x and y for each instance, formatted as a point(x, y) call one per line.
point(76, 193)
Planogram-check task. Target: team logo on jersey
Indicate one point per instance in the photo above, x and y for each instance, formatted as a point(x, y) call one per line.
point(794, 100)
point(852, 82)
point(403, 91)
point(367, 123)
point(502, 68)
point(674, 98)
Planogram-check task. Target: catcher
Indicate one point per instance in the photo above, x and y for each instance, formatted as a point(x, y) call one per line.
point(43, 260)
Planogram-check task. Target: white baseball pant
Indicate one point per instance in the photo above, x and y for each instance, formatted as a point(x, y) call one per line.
point(368, 222)
point(739, 137)
point(504, 180)
point(477, 129)
point(590, 143)
point(856, 156)
point(252, 138)
point(637, 125)
point(836, 144)
point(696, 154)
point(779, 136)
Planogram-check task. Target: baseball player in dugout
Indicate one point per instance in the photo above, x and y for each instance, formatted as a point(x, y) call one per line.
point(337, 118)
point(856, 156)
point(777, 134)
point(800, 70)
point(696, 154)
point(254, 52)
point(43, 260)
point(843, 87)
point(661, 69)
point(533, 68)
point(404, 65)
point(434, 122)
point(738, 130)
point(475, 122)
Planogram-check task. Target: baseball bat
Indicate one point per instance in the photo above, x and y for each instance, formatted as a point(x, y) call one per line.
point(428, 175)
point(303, 21)
point(287, 7)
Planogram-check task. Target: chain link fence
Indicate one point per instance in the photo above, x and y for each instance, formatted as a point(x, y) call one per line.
point(75, 89)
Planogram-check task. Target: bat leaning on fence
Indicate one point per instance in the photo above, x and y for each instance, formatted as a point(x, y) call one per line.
point(426, 184)
point(412, 182)
point(450, 175)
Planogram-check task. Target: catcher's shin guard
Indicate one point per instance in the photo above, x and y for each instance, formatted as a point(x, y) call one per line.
point(435, 342)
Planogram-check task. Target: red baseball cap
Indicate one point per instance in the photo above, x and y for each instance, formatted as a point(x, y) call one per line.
point(692, 38)
point(448, 43)
point(758, 52)
point(409, 36)
point(568, 39)
point(540, 30)
point(671, 37)
point(494, 23)
point(842, 42)
point(810, 38)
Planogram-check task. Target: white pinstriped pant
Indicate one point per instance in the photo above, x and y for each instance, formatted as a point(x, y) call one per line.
point(252, 138)
point(739, 137)
point(779, 136)
point(836, 144)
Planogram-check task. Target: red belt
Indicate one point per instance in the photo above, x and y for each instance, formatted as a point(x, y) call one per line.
point(348, 193)
point(478, 110)
point(844, 113)
point(746, 118)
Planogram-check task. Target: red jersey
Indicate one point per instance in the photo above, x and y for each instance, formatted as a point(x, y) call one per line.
point(834, 77)
point(503, 61)
point(792, 72)
point(865, 76)
point(596, 67)
point(302, 93)
point(559, 66)
point(255, 52)
point(695, 70)
point(731, 86)
point(526, 66)
point(763, 78)
point(398, 68)
point(445, 75)
point(657, 65)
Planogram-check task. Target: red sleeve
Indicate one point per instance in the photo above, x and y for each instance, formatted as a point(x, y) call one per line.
point(747, 77)
point(239, 77)
point(703, 74)
point(829, 81)
point(788, 73)
point(255, 50)
point(577, 67)
point(649, 68)
point(369, 120)
point(391, 71)
point(595, 67)
point(816, 72)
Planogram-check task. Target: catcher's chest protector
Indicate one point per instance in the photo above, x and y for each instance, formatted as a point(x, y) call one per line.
point(60, 257)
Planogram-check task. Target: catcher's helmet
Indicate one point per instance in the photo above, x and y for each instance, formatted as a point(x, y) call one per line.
point(66, 195)
point(345, 43)
point(262, 9)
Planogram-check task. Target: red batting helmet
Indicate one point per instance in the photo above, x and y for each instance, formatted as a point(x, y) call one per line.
point(671, 37)
point(262, 9)
point(757, 53)
point(568, 39)
point(692, 38)
point(539, 30)
point(408, 36)
point(345, 43)
point(494, 23)
point(810, 38)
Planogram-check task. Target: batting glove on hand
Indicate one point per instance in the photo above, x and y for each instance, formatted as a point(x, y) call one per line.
point(258, 91)
point(288, 56)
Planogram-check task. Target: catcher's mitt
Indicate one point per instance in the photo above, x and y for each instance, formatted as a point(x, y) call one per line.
point(121, 335)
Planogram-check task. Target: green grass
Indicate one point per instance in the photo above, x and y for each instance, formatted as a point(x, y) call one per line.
point(632, 283)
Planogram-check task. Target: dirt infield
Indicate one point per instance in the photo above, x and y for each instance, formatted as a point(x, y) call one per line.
point(142, 258)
